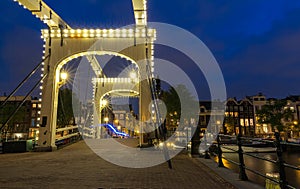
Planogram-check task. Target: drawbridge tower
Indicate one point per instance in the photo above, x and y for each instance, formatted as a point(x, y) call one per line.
point(62, 43)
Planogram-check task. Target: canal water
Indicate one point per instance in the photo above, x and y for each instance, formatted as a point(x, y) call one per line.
point(293, 158)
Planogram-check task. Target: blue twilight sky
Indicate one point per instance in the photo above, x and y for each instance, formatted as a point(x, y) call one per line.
point(256, 42)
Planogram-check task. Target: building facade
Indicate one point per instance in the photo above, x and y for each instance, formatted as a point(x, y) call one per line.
point(25, 122)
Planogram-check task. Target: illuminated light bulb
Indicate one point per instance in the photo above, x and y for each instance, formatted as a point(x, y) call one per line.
point(41, 87)
point(85, 31)
point(98, 31)
point(78, 30)
point(64, 75)
point(58, 35)
point(43, 57)
point(85, 35)
point(42, 69)
point(66, 35)
point(72, 35)
point(72, 31)
point(66, 31)
point(111, 34)
point(52, 35)
point(92, 31)
point(43, 52)
point(41, 94)
point(98, 35)
point(92, 35)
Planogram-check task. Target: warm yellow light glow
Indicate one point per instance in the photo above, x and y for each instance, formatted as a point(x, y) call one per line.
point(106, 119)
point(103, 103)
point(63, 75)
point(295, 122)
point(133, 75)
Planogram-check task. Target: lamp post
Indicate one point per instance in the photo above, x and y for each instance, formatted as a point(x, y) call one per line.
point(103, 104)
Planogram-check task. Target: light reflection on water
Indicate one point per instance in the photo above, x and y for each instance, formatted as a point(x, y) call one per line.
point(293, 176)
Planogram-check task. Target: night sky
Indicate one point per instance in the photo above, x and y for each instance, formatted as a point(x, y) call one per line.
point(256, 42)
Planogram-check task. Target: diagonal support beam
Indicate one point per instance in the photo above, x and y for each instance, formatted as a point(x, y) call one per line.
point(140, 12)
point(42, 11)
point(95, 65)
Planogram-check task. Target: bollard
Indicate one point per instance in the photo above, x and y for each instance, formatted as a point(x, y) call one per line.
point(220, 161)
point(242, 174)
point(206, 155)
point(280, 162)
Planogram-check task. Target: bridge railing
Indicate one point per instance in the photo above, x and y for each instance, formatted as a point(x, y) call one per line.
point(67, 135)
point(280, 179)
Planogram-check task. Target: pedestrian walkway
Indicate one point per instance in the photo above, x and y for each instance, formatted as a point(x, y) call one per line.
point(76, 166)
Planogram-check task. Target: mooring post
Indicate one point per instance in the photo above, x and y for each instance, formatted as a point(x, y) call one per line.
point(242, 174)
point(220, 161)
point(280, 162)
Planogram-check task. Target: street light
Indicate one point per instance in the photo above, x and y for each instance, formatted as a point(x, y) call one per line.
point(133, 75)
point(63, 78)
point(103, 103)
point(106, 119)
point(63, 75)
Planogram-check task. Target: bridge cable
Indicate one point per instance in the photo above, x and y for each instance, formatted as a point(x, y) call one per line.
point(22, 82)
point(23, 101)
point(154, 96)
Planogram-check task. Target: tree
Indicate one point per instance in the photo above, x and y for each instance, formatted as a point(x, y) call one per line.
point(229, 126)
point(65, 114)
point(275, 114)
point(175, 105)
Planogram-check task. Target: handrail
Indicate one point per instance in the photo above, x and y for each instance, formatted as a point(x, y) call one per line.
point(67, 136)
point(66, 128)
point(280, 162)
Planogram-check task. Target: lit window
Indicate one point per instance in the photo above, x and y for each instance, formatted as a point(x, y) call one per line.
point(242, 122)
point(33, 105)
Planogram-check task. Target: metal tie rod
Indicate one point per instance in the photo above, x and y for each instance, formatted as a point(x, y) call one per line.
point(22, 82)
point(19, 106)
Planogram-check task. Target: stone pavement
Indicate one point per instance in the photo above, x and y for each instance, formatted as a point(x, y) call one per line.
point(76, 166)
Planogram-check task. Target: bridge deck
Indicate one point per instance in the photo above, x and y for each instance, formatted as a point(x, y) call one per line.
point(76, 166)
